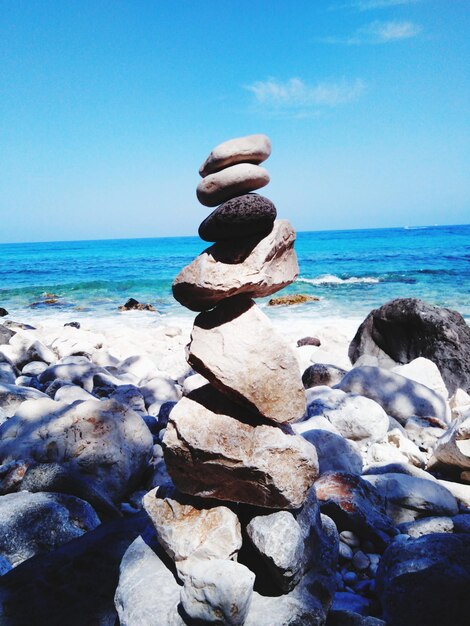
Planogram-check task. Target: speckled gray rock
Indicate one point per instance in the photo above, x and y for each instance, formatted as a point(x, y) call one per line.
point(213, 451)
point(237, 349)
point(243, 216)
point(399, 396)
point(253, 266)
point(32, 523)
point(148, 592)
point(232, 181)
point(249, 149)
point(105, 441)
point(427, 526)
point(191, 528)
point(217, 592)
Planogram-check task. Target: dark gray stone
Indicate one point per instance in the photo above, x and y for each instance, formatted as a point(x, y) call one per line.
point(335, 453)
point(308, 341)
point(32, 523)
point(350, 618)
point(408, 328)
point(246, 215)
point(322, 374)
point(426, 581)
point(3, 312)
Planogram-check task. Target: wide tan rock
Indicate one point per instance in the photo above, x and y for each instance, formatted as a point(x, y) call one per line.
point(188, 528)
point(253, 266)
point(213, 451)
point(249, 149)
point(237, 349)
point(231, 182)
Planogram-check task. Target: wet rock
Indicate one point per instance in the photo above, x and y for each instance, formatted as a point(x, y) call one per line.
point(355, 417)
point(355, 505)
point(320, 374)
point(296, 298)
point(235, 180)
point(217, 592)
point(3, 312)
point(243, 216)
point(134, 305)
point(212, 451)
point(249, 149)
point(72, 324)
point(425, 581)
point(408, 328)
point(453, 448)
point(237, 349)
point(192, 528)
point(409, 497)
point(348, 601)
point(400, 397)
point(253, 266)
point(31, 523)
point(105, 441)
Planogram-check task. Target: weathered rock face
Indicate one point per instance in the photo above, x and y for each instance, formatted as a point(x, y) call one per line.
point(189, 528)
point(217, 592)
point(425, 581)
point(253, 266)
point(400, 397)
point(33, 523)
point(12, 396)
point(250, 149)
point(243, 216)
point(232, 181)
point(236, 348)
point(104, 441)
point(409, 497)
point(212, 451)
point(355, 505)
point(407, 328)
point(454, 447)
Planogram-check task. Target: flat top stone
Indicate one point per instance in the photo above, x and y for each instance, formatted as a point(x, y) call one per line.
point(248, 149)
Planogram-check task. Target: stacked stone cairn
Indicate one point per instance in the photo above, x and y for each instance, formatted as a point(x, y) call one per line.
point(240, 520)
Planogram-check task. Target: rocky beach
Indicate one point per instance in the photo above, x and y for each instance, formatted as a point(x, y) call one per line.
point(232, 464)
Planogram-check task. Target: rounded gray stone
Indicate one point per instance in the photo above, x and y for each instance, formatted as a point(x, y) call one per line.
point(249, 149)
point(233, 181)
point(246, 215)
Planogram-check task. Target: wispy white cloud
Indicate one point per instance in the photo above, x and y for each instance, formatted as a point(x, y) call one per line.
point(369, 5)
point(378, 33)
point(300, 99)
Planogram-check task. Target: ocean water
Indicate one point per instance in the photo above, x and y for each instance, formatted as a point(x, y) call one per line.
point(350, 271)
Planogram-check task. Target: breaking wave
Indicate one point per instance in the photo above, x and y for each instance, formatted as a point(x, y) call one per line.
point(331, 279)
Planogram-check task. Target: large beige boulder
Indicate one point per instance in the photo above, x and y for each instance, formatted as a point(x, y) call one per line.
point(237, 349)
point(188, 528)
point(252, 266)
point(453, 448)
point(213, 451)
point(250, 149)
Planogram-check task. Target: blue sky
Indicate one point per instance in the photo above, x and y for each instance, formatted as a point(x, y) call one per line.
point(107, 109)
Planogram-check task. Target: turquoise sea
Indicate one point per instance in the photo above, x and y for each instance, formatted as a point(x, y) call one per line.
point(352, 271)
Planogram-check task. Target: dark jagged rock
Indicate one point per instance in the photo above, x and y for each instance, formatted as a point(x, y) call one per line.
point(243, 216)
point(408, 328)
point(134, 305)
point(426, 581)
point(73, 324)
point(75, 584)
point(3, 312)
point(308, 341)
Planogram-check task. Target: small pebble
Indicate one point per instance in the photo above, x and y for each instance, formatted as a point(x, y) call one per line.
point(345, 551)
point(360, 560)
point(347, 536)
point(350, 578)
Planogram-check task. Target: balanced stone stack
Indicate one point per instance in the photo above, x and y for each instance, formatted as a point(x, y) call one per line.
point(230, 440)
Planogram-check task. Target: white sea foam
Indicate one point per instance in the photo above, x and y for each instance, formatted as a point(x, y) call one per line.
point(331, 279)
